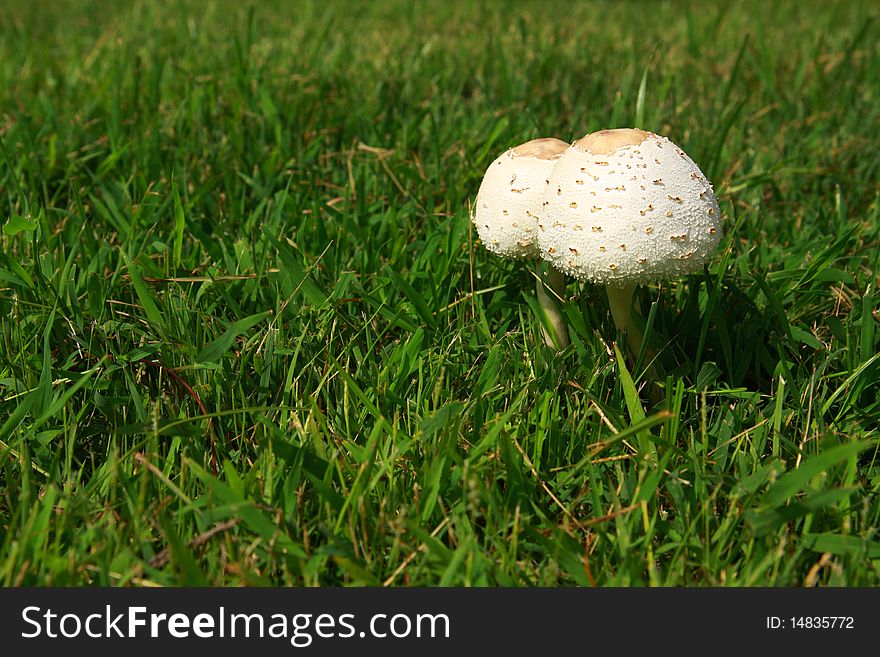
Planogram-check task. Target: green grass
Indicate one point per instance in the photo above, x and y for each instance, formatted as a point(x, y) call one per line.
point(247, 337)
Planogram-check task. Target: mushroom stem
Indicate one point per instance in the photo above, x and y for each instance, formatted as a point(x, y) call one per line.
point(553, 279)
point(620, 299)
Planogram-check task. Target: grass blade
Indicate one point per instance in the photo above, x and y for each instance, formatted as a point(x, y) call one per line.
point(216, 349)
point(148, 303)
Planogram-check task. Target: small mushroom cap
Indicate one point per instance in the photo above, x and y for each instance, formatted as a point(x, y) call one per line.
point(627, 206)
point(509, 201)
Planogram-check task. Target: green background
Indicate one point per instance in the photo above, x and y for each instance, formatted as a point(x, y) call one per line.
point(247, 335)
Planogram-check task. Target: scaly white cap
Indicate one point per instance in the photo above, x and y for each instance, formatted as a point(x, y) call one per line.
point(627, 206)
point(509, 201)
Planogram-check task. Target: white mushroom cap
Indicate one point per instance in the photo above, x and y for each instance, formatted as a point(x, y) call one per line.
point(509, 201)
point(627, 206)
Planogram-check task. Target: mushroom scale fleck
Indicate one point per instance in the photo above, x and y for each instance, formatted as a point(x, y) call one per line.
point(627, 206)
point(509, 200)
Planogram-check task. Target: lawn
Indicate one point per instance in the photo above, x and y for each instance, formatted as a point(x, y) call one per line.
point(248, 335)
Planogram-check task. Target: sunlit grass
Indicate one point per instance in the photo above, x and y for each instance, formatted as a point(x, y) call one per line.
point(247, 337)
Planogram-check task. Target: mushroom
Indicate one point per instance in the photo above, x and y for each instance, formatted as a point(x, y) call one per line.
point(507, 215)
point(625, 207)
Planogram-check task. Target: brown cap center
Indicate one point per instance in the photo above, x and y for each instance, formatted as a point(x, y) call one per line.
point(546, 148)
point(604, 142)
